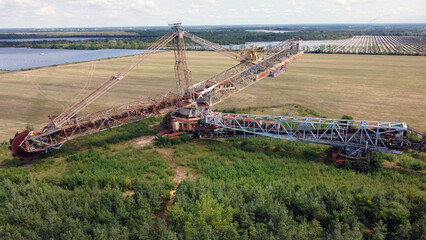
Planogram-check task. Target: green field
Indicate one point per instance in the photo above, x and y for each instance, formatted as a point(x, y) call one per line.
point(387, 88)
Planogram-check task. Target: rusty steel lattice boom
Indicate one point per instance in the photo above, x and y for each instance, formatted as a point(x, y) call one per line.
point(103, 120)
point(182, 72)
point(67, 125)
point(105, 86)
point(215, 47)
point(190, 108)
point(235, 79)
point(362, 135)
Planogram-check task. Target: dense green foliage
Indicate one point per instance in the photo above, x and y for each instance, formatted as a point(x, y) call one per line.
point(163, 141)
point(269, 189)
point(101, 187)
point(82, 195)
point(413, 160)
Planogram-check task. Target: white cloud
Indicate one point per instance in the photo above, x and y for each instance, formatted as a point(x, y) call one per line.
point(299, 10)
point(148, 4)
point(68, 15)
point(49, 10)
point(350, 1)
point(263, 10)
point(391, 12)
point(194, 9)
point(98, 13)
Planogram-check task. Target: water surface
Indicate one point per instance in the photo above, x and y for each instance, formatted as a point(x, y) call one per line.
point(56, 39)
point(22, 58)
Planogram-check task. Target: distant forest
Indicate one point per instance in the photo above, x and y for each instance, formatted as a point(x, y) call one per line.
point(220, 35)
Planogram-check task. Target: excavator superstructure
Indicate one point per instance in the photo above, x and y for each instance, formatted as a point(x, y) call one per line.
point(190, 110)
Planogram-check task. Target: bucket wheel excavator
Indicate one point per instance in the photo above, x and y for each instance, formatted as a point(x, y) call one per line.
point(190, 109)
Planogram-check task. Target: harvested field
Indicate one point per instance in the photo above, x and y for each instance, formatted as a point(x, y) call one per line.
point(366, 87)
point(34, 94)
point(411, 45)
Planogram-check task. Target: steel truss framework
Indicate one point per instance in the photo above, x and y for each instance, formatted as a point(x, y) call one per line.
point(371, 135)
point(103, 120)
point(208, 92)
point(108, 84)
point(214, 90)
point(378, 136)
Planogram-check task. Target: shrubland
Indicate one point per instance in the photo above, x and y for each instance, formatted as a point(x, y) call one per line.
point(259, 188)
point(95, 187)
point(102, 187)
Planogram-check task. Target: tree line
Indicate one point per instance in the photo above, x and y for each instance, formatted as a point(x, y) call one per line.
point(223, 36)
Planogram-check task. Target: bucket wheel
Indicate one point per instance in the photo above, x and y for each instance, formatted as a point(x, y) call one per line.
point(17, 151)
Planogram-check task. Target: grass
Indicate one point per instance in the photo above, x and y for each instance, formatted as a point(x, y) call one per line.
point(284, 110)
point(299, 163)
point(387, 88)
point(413, 162)
point(34, 94)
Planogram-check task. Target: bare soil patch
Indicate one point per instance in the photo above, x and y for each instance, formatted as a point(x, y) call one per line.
point(128, 193)
point(143, 141)
point(26, 165)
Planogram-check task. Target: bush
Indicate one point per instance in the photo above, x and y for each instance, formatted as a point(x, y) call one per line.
point(29, 127)
point(393, 218)
point(388, 156)
point(347, 117)
point(413, 136)
point(411, 163)
point(165, 141)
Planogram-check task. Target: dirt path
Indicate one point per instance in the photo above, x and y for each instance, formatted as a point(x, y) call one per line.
point(181, 174)
point(390, 165)
point(26, 165)
point(143, 141)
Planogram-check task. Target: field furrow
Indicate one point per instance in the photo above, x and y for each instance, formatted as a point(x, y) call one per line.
point(404, 45)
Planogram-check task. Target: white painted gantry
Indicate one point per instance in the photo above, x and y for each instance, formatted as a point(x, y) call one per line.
point(360, 134)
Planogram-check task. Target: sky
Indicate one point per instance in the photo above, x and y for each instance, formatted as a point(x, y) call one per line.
point(122, 13)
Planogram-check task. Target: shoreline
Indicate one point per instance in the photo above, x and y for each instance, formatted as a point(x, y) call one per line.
point(2, 71)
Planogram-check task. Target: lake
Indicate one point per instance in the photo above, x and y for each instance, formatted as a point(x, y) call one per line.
point(21, 58)
point(56, 39)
